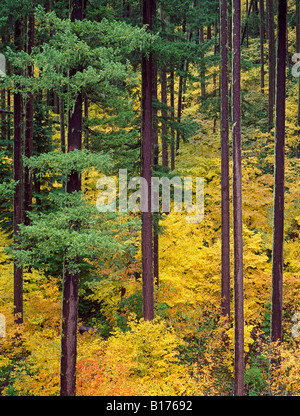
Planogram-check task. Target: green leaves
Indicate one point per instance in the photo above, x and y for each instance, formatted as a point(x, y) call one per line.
point(64, 163)
point(74, 233)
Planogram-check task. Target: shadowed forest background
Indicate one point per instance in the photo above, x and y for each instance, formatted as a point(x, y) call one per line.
point(145, 304)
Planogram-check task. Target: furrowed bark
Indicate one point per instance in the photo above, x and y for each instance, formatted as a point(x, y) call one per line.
point(237, 203)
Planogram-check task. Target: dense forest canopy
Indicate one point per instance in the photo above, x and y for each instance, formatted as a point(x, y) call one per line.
point(118, 120)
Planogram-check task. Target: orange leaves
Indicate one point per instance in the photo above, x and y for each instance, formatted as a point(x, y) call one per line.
point(101, 377)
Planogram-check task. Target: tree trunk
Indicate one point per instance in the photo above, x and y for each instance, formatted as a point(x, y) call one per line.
point(18, 195)
point(155, 252)
point(62, 124)
point(147, 250)
point(237, 204)
point(71, 277)
point(245, 30)
point(164, 115)
point(154, 115)
point(179, 108)
point(225, 280)
point(29, 125)
point(155, 163)
point(216, 29)
point(278, 210)
point(3, 108)
point(261, 33)
point(86, 116)
point(246, 26)
point(164, 101)
point(202, 65)
point(172, 104)
point(270, 12)
point(298, 51)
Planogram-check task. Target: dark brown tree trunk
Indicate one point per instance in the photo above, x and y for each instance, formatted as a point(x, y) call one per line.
point(278, 210)
point(245, 30)
point(261, 33)
point(62, 124)
point(164, 115)
point(3, 108)
point(8, 118)
point(3, 115)
point(156, 255)
point(154, 115)
point(270, 14)
point(18, 195)
point(298, 51)
point(202, 66)
point(172, 104)
point(246, 26)
point(71, 277)
point(29, 125)
point(229, 12)
point(86, 116)
point(237, 204)
point(208, 35)
point(216, 29)
point(225, 280)
point(155, 162)
point(179, 108)
point(147, 249)
point(69, 334)
point(164, 101)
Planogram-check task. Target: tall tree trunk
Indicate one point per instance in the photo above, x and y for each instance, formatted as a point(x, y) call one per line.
point(278, 210)
point(86, 116)
point(18, 195)
point(3, 108)
point(179, 108)
point(71, 277)
point(216, 29)
point(29, 125)
point(147, 250)
point(9, 120)
point(237, 203)
point(298, 51)
point(261, 33)
point(164, 101)
point(245, 30)
point(202, 65)
point(225, 280)
point(246, 26)
point(270, 13)
point(62, 124)
point(172, 104)
point(155, 163)
point(164, 115)
point(154, 115)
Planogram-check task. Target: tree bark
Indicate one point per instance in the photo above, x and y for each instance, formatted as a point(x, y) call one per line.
point(202, 65)
point(71, 277)
point(29, 125)
point(261, 33)
point(147, 249)
point(164, 115)
point(62, 124)
point(179, 108)
point(225, 211)
point(245, 30)
point(237, 203)
point(278, 210)
point(18, 195)
point(172, 104)
point(155, 145)
point(298, 51)
point(270, 12)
